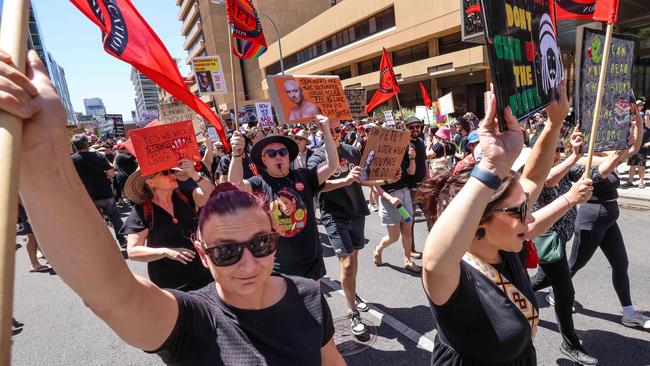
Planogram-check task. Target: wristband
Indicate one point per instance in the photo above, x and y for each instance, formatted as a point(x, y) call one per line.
point(238, 156)
point(491, 180)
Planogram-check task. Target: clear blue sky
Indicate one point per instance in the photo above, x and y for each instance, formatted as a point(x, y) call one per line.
point(75, 43)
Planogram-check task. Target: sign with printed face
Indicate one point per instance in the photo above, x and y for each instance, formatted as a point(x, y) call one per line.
point(446, 104)
point(615, 115)
point(161, 147)
point(525, 58)
point(300, 98)
point(383, 154)
point(176, 112)
point(265, 115)
point(388, 116)
point(209, 75)
point(357, 101)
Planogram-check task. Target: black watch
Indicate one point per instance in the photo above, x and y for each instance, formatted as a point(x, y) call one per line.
point(491, 180)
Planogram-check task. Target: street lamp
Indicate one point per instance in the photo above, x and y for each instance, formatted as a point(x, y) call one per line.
point(221, 2)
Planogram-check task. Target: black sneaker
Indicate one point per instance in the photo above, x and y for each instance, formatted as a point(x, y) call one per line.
point(356, 325)
point(550, 299)
point(361, 305)
point(578, 355)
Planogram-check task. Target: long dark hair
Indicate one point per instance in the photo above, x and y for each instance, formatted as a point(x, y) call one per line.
point(435, 193)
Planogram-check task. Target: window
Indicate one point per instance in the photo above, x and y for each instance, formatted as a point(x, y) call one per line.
point(409, 54)
point(343, 73)
point(363, 29)
point(368, 66)
point(452, 43)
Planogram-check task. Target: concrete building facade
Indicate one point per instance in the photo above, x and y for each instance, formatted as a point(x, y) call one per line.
point(146, 94)
point(95, 107)
point(206, 33)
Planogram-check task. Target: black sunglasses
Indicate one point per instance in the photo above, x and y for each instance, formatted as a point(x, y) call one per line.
point(164, 172)
point(230, 253)
point(336, 130)
point(283, 151)
point(521, 210)
point(414, 127)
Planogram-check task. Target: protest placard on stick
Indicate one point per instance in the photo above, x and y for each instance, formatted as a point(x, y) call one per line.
point(118, 124)
point(389, 118)
point(176, 112)
point(357, 102)
point(615, 115)
point(383, 154)
point(265, 115)
point(209, 75)
point(525, 58)
point(446, 104)
point(161, 147)
point(301, 98)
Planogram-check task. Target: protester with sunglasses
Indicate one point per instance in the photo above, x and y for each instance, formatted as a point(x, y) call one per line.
point(479, 292)
point(161, 222)
point(247, 317)
point(290, 194)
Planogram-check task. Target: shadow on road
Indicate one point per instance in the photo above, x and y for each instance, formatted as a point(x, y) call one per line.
point(614, 349)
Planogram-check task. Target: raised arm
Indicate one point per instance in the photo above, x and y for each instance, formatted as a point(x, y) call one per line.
point(559, 171)
point(200, 194)
point(450, 237)
point(236, 169)
point(540, 161)
point(86, 258)
point(331, 163)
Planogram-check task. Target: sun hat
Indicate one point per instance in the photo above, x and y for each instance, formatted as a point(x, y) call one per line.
point(256, 151)
point(134, 188)
point(444, 133)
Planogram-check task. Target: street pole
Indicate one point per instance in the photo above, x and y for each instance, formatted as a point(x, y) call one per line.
point(279, 39)
point(13, 38)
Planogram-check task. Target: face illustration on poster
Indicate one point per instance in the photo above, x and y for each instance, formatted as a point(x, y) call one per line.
point(552, 72)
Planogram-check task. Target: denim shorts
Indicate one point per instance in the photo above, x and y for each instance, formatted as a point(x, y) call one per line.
point(346, 235)
point(388, 212)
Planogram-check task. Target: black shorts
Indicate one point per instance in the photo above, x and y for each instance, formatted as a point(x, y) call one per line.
point(637, 160)
point(346, 235)
point(23, 227)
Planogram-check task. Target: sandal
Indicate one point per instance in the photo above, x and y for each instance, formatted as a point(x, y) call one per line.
point(415, 254)
point(376, 257)
point(40, 269)
point(641, 185)
point(412, 267)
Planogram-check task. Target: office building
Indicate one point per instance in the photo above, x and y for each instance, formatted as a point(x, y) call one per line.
point(146, 95)
point(206, 33)
point(95, 107)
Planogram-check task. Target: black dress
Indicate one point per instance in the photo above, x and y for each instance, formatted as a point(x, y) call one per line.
point(479, 325)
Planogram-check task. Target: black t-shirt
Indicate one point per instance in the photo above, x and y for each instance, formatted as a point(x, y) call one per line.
point(420, 163)
point(406, 161)
point(91, 167)
point(345, 202)
point(248, 166)
point(479, 325)
point(292, 209)
point(165, 272)
point(443, 149)
point(125, 164)
point(209, 331)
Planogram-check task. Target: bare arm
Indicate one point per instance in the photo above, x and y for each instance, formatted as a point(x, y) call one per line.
point(331, 163)
point(329, 355)
point(559, 171)
point(236, 169)
point(110, 173)
point(202, 193)
point(209, 153)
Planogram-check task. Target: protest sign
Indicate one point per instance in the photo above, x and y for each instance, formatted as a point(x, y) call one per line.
point(615, 115)
point(357, 102)
point(265, 115)
point(425, 114)
point(301, 98)
point(118, 124)
point(383, 154)
point(212, 133)
point(388, 116)
point(471, 24)
point(161, 147)
point(209, 75)
point(176, 112)
point(446, 104)
point(525, 58)
point(247, 114)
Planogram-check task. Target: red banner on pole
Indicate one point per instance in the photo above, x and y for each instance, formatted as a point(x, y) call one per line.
point(606, 11)
point(245, 25)
point(128, 37)
point(425, 96)
point(387, 83)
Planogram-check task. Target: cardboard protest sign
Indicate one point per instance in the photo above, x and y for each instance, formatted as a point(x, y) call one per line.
point(525, 58)
point(357, 102)
point(388, 116)
point(615, 115)
point(176, 112)
point(161, 147)
point(383, 154)
point(212, 133)
point(446, 104)
point(301, 98)
point(209, 75)
point(118, 124)
point(265, 115)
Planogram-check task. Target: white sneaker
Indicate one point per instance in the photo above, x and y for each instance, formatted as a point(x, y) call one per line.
point(636, 320)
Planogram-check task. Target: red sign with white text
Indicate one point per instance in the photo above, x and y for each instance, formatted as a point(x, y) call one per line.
point(161, 147)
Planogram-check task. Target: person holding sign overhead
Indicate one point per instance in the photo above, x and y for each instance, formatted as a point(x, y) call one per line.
point(290, 194)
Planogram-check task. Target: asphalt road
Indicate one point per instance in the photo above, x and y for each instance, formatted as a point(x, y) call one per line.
point(60, 330)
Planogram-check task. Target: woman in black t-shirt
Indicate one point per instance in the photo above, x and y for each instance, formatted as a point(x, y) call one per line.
point(161, 223)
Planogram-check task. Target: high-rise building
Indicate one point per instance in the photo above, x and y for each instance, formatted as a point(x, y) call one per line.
point(57, 74)
point(95, 107)
point(206, 34)
point(146, 95)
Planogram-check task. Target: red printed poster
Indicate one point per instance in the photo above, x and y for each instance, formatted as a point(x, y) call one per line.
point(161, 147)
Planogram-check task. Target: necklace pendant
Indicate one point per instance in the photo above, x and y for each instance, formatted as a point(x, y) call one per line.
point(174, 221)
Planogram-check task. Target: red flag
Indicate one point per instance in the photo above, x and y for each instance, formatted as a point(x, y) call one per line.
point(128, 37)
point(425, 96)
point(245, 25)
point(606, 11)
point(387, 84)
point(573, 9)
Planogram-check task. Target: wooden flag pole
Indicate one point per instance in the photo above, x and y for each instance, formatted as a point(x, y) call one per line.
point(232, 78)
point(599, 97)
point(13, 38)
point(401, 112)
point(426, 110)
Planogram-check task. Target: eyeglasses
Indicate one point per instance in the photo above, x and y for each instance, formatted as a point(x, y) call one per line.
point(283, 151)
point(415, 127)
point(521, 210)
point(164, 172)
point(336, 130)
point(227, 254)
